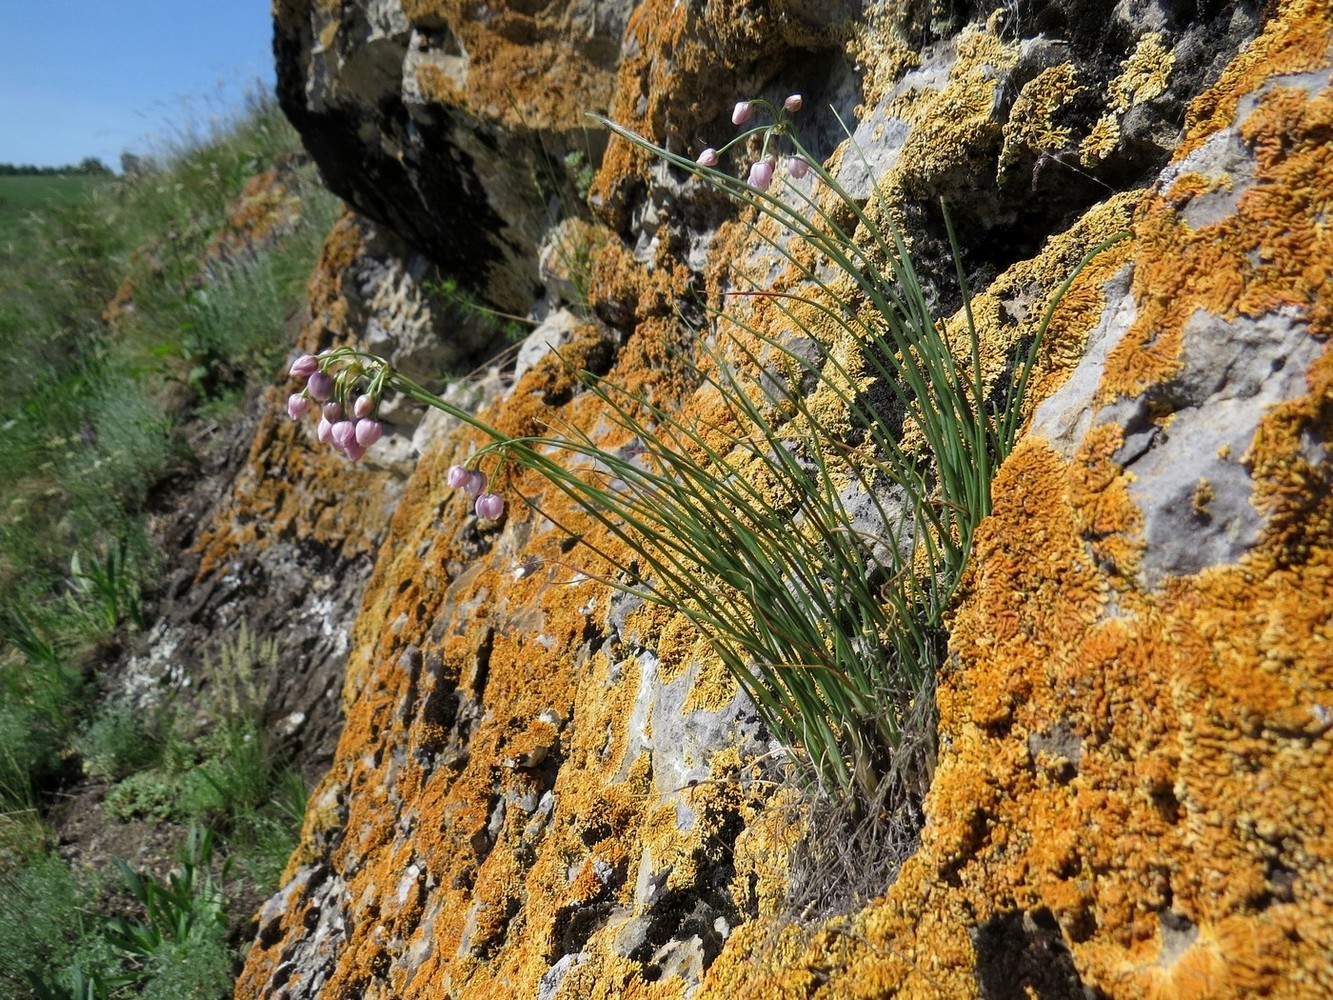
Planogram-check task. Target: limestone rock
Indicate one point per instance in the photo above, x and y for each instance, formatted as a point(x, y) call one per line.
point(544, 789)
point(448, 124)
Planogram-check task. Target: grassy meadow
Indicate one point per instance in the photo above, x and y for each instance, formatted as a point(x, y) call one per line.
point(133, 310)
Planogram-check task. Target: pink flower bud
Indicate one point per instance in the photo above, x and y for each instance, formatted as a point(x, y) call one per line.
point(344, 433)
point(304, 366)
point(742, 113)
point(368, 431)
point(324, 431)
point(476, 483)
point(354, 451)
point(708, 158)
point(363, 406)
point(458, 476)
point(332, 411)
point(298, 405)
point(490, 506)
point(761, 174)
point(320, 386)
point(793, 103)
point(798, 167)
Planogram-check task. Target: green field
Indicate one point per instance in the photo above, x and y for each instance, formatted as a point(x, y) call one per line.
point(23, 197)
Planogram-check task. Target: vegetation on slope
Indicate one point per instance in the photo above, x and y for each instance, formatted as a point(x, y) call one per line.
point(131, 310)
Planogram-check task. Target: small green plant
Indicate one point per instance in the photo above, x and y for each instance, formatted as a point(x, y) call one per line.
point(262, 839)
point(39, 920)
point(178, 948)
point(110, 585)
point(17, 628)
point(506, 325)
point(229, 774)
point(121, 739)
point(580, 170)
point(816, 549)
point(188, 905)
point(35, 718)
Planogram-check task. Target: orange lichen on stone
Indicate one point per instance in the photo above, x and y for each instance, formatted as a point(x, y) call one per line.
point(1010, 311)
point(525, 65)
point(264, 208)
point(681, 69)
point(1268, 255)
point(1131, 789)
point(1145, 767)
point(1296, 41)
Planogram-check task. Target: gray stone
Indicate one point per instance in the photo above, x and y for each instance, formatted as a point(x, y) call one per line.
point(1190, 476)
point(549, 985)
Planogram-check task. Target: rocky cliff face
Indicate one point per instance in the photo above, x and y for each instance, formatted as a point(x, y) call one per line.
point(545, 790)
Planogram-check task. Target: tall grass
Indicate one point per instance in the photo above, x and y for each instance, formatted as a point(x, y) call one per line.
point(90, 408)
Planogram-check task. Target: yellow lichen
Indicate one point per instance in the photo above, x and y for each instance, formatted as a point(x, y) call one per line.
point(1143, 76)
point(1204, 494)
point(1031, 129)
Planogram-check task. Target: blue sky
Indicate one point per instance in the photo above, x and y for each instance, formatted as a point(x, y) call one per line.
point(97, 77)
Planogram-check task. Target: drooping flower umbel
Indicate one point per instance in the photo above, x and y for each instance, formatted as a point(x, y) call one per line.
point(761, 174)
point(348, 393)
point(762, 170)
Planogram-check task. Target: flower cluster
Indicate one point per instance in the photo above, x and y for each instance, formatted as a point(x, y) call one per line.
point(347, 394)
point(488, 506)
point(763, 169)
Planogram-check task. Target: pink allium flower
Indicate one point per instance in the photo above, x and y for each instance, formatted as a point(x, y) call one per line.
point(368, 431)
point(742, 113)
point(332, 411)
point(304, 366)
point(793, 103)
point(460, 477)
point(761, 174)
point(708, 158)
point(798, 167)
point(476, 483)
point(324, 431)
point(298, 405)
point(363, 406)
point(320, 386)
point(490, 506)
point(344, 433)
point(354, 451)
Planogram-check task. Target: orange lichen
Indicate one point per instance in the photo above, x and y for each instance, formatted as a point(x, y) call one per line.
point(526, 66)
point(264, 208)
point(1183, 795)
point(1131, 780)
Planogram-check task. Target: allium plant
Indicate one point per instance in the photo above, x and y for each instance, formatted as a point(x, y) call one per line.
point(832, 620)
point(334, 379)
point(819, 561)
